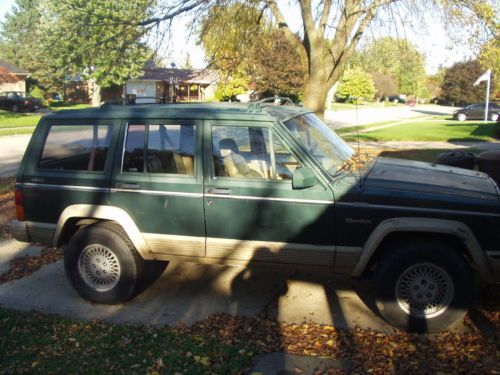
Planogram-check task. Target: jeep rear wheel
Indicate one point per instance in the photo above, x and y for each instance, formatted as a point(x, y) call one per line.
point(423, 287)
point(102, 264)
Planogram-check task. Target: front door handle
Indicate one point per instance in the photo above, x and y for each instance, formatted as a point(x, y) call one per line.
point(218, 191)
point(125, 185)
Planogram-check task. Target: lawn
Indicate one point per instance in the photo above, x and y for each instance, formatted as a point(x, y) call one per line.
point(23, 123)
point(35, 343)
point(435, 130)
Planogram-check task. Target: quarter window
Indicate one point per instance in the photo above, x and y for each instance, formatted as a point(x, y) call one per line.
point(76, 148)
point(160, 149)
point(250, 152)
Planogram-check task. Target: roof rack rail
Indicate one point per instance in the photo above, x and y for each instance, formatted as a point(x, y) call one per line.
point(131, 99)
point(272, 100)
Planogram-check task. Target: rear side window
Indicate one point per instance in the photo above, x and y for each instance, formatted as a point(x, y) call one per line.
point(167, 148)
point(76, 148)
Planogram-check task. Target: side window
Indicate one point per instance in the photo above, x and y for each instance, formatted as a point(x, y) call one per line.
point(160, 149)
point(76, 148)
point(247, 152)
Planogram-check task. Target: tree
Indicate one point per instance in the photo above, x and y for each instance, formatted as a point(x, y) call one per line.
point(458, 86)
point(251, 47)
point(20, 43)
point(396, 57)
point(356, 84)
point(85, 37)
point(385, 84)
point(489, 58)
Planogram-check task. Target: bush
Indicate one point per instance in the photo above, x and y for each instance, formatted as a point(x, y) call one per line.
point(356, 84)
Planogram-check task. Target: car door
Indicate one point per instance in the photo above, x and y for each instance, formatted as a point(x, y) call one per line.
point(252, 211)
point(476, 111)
point(158, 182)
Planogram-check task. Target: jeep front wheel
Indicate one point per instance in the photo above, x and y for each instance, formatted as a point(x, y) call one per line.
point(102, 264)
point(423, 287)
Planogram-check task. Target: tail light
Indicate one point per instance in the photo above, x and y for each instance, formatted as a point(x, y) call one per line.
point(19, 205)
point(26, 102)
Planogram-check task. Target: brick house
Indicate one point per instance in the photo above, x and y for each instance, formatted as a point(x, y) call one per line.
point(12, 78)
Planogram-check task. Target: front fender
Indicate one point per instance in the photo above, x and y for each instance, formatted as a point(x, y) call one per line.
point(439, 226)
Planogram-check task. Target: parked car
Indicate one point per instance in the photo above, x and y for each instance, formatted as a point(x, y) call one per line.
point(476, 112)
point(16, 101)
point(123, 189)
point(397, 99)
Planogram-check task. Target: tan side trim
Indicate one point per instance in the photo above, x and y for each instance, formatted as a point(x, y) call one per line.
point(269, 252)
point(346, 258)
point(105, 213)
point(410, 224)
point(175, 245)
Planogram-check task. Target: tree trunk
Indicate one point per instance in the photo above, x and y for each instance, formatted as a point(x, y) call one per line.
point(315, 93)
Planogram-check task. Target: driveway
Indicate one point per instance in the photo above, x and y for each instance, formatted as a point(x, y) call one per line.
point(189, 292)
point(11, 152)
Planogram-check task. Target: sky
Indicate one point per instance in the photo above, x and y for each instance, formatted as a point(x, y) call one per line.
point(432, 42)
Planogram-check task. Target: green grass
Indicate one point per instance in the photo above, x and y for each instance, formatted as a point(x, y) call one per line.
point(69, 106)
point(11, 119)
point(36, 343)
point(431, 131)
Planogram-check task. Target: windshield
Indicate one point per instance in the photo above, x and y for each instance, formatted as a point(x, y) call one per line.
point(321, 142)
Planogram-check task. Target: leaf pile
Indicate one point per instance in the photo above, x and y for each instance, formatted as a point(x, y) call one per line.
point(358, 161)
point(369, 351)
point(24, 266)
point(7, 207)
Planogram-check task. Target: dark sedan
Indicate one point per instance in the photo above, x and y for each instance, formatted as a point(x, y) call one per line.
point(16, 101)
point(476, 112)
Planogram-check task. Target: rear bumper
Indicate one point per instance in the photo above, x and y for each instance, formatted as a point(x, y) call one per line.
point(29, 231)
point(19, 230)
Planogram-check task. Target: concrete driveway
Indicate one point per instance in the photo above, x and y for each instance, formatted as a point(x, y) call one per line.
point(189, 292)
point(11, 152)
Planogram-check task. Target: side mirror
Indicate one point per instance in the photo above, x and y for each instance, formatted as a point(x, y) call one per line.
point(303, 178)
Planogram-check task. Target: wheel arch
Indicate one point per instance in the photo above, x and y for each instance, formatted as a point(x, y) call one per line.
point(433, 227)
point(77, 215)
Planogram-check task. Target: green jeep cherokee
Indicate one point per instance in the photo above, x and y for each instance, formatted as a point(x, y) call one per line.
point(126, 188)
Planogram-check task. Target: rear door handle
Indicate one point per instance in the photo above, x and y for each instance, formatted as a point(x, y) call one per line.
point(125, 185)
point(218, 191)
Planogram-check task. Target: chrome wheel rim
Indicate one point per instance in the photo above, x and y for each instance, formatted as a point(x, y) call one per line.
point(424, 290)
point(99, 268)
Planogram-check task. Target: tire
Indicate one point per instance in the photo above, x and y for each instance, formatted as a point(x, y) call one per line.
point(15, 108)
point(494, 117)
point(461, 117)
point(418, 269)
point(100, 249)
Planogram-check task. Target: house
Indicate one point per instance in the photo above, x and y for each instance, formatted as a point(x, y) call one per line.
point(196, 85)
point(12, 78)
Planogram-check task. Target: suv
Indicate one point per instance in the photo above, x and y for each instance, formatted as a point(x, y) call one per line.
point(126, 188)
